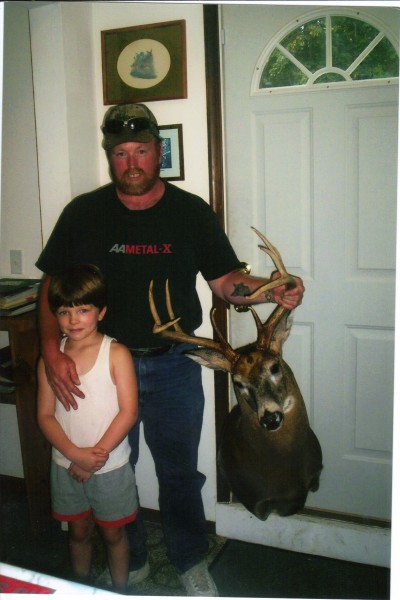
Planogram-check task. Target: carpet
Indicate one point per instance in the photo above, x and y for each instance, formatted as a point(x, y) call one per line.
point(48, 552)
point(163, 579)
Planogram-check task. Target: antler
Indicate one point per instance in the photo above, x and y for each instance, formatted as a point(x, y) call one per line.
point(180, 336)
point(265, 331)
point(284, 278)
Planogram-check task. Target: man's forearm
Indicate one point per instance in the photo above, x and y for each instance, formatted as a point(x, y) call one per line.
point(235, 286)
point(48, 325)
point(60, 369)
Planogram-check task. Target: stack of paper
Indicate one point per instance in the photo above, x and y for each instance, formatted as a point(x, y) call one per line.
point(18, 295)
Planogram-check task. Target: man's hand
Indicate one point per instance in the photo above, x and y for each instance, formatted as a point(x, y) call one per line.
point(288, 296)
point(63, 379)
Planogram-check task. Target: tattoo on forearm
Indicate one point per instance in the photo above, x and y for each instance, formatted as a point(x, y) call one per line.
point(239, 289)
point(268, 297)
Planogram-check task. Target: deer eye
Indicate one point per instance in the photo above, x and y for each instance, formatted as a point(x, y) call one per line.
point(275, 368)
point(240, 386)
point(244, 389)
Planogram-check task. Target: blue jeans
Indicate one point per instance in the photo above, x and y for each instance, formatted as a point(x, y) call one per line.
point(171, 404)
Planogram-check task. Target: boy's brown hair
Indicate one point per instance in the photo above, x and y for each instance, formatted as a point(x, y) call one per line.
point(82, 284)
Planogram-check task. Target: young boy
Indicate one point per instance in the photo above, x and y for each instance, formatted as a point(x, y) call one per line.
point(91, 478)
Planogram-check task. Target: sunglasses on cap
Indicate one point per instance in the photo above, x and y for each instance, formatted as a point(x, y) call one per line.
point(134, 124)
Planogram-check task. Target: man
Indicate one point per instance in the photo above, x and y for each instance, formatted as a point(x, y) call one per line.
point(137, 229)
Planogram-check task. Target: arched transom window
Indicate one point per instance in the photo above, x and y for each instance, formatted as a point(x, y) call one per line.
point(327, 51)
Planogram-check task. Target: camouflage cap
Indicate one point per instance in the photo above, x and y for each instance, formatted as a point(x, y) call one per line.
point(128, 123)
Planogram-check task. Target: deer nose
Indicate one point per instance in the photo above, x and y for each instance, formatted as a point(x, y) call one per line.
point(271, 420)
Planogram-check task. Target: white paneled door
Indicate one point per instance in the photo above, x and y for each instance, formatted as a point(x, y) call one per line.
point(317, 172)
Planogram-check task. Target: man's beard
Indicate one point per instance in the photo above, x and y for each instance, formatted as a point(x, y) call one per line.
point(135, 188)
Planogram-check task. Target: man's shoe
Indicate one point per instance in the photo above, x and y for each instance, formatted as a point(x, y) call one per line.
point(139, 574)
point(197, 581)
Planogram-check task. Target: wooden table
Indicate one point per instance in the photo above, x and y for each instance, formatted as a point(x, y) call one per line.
point(35, 450)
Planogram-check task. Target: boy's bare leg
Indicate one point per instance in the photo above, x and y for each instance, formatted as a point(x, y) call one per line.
point(80, 546)
point(118, 556)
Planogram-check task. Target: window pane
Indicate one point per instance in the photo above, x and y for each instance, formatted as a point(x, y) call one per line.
point(382, 62)
point(329, 78)
point(280, 71)
point(349, 38)
point(307, 43)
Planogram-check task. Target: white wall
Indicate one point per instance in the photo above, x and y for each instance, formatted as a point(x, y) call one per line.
point(63, 76)
point(19, 200)
point(20, 215)
point(67, 74)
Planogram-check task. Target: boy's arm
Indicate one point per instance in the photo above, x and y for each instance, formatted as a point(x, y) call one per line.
point(124, 377)
point(90, 459)
point(78, 473)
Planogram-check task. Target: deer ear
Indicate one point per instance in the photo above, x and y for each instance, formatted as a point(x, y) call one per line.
point(210, 358)
point(282, 331)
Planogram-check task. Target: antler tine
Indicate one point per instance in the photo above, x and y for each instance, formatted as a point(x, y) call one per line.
point(179, 335)
point(272, 251)
point(257, 321)
point(284, 278)
point(174, 320)
point(265, 331)
point(158, 326)
point(226, 348)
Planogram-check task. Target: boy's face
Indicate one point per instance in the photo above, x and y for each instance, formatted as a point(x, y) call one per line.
point(78, 322)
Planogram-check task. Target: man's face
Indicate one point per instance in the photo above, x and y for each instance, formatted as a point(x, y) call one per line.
point(135, 166)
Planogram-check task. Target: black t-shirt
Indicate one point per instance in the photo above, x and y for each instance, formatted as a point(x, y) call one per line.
point(175, 239)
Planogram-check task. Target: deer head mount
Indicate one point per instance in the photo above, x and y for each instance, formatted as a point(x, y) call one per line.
point(268, 452)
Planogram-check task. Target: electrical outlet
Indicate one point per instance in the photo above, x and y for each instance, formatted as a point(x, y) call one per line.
point(16, 262)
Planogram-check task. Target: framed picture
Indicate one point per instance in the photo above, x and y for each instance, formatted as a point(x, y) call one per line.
point(172, 164)
point(144, 63)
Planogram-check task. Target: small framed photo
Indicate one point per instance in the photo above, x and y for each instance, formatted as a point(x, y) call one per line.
point(144, 63)
point(172, 164)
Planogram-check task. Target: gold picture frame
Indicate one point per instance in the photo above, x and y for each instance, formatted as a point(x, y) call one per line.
point(144, 63)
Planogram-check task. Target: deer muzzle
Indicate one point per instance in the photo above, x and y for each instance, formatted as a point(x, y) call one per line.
point(271, 420)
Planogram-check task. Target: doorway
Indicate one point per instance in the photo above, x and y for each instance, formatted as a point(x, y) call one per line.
point(314, 192)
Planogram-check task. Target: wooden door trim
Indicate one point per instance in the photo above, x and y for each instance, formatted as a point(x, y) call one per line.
point(216, 194)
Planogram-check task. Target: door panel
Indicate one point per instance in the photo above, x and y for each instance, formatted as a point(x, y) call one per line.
point(317, 173)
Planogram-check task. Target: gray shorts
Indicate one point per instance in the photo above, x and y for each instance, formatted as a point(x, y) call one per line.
point(111, 497)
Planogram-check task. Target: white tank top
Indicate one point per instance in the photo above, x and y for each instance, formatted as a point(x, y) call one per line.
point(86, 425)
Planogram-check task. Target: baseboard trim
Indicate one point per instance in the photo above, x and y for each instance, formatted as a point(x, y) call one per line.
point(308, 534)
point(154, 516)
